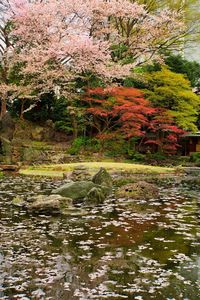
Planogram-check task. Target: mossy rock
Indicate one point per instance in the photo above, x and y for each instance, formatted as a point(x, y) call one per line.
point(18, 201)
point(102, 177)
point(138, 190)
point(95, 197)
point(53, 204)
point(30, 154)
point(75, 190)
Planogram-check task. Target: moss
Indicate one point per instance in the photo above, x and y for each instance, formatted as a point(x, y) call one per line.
point(40, 145)
point(138, 190)
point(112, 167)
point(17, 201)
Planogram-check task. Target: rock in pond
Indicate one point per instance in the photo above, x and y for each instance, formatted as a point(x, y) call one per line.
point(80, 173)
point(91, 192)
point(138, 190)
point(94, 197)
point(18, 201)
point(102, 177)
point(53, 204)
point(75, 190)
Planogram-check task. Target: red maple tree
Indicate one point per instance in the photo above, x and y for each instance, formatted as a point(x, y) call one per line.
point(118, 109)
point(124, 112)
point(164, 132)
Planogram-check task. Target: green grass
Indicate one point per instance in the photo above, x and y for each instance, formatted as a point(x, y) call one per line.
point(57, 170)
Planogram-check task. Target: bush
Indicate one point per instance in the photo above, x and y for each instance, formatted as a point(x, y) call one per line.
point(76, 146)
point(158, 156)
point(64, 126)
point(84, 143)
point(115, 148)
point(195, 158)
point(138, 157)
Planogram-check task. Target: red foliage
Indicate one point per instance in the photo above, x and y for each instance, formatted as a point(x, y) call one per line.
point(124, 112)
point(124, 109)
point(166, 133)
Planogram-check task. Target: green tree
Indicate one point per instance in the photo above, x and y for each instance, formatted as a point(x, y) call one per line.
point(178, 64)
point(173, 92)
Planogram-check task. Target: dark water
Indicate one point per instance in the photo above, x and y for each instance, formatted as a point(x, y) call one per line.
point(143, 251)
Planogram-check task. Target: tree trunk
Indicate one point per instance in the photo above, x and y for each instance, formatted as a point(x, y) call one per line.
point(22, 110)
point(74, 126)
point(3, 108)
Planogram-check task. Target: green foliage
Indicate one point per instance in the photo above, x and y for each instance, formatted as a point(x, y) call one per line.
point(42, 111)
point(119, 52)
point(92, 144)
point(76, 146)
point(173, 92)
point(191, 69)
point(138, 157)
point(123, 148)
point(158, 156)
point(134, 82)
point(88, 80)
point(115, 147)
point(195, 158)
point(63, 126)
point(137, 79)
point(84, 143)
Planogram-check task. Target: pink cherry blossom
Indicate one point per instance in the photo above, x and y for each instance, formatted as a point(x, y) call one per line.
point(59, 39)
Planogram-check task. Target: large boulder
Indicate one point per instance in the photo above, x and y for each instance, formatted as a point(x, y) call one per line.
point(102, 177)
point(95, 196)
point(75, 190)
point(138, 190)
point(91, 192)
point(53, 204)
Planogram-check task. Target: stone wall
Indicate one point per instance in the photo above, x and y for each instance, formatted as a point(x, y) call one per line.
point(28, 143)
point(34, 155)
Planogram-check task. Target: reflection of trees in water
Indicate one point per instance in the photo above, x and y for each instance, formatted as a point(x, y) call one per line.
point(2, 275)
point(131, 251)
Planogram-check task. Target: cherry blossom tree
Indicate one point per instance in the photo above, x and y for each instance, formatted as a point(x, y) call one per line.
point(55, 40)
point(83, 33)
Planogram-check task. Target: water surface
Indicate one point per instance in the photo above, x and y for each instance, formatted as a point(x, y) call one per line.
point(148, 250)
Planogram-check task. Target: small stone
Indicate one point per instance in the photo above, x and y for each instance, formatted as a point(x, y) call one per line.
point(66, 175)
point(80, 173)
point(18, 201)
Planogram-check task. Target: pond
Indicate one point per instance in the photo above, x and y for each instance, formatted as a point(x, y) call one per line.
point(147, 250)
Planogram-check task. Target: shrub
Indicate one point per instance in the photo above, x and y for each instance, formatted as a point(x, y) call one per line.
point(76, 146)
point(63, 126)
point(115, 148)
point(195, 157)
point(157, 156)
point(81, 143)
point(138, 157)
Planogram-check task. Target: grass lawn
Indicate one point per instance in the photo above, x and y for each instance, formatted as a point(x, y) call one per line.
point(57, 170)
